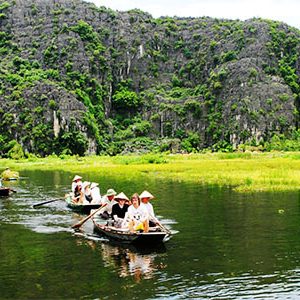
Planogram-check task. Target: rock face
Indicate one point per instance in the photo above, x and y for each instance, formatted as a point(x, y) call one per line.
point(76, 78)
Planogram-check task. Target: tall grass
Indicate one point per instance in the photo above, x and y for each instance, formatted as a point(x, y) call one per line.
point(244, 172)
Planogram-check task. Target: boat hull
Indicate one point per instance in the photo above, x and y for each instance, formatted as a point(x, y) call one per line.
point(140, 238)
point(82, 208)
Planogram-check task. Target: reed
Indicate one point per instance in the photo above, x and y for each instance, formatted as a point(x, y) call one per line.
point(243, 172)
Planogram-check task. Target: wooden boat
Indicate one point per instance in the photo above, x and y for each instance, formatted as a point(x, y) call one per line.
point(155, 235)
point(8, 175)
point(4, 191)
point(82, 208)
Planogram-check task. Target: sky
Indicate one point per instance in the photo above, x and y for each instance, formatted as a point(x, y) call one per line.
point(287, 11)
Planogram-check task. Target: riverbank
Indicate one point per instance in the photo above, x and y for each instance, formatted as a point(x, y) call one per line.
point(243, 172)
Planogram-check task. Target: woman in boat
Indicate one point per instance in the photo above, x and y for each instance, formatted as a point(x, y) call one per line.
point(145, 197)
point(95, 192)
point(86, 195)
point(136, 217)
point(119, 209)
point(108, 200)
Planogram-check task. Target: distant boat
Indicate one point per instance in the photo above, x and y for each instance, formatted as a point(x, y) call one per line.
point(7, 175)
point(4, 191)
point(82, 208)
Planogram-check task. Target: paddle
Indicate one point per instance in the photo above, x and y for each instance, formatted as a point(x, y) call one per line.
point(12, 190)
point(160, 225)
point(45, 202)
point(88, 217)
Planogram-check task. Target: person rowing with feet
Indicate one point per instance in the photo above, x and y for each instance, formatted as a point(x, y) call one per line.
point(145, 197)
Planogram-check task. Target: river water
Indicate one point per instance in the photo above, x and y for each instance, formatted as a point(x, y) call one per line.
point(224, 245)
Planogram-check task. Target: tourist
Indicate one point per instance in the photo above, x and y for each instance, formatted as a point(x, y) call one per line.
point(136, 218)
point(86, 195)
point(119, 209)
point(95, 192)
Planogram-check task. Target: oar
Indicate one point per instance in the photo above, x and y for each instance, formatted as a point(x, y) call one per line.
point(88, 217)
point(45, 202)
point(12, 190)
point(161, 226)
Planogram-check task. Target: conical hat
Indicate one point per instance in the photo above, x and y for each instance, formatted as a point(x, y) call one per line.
point(94, 184)
point(146, 194)
point(121, 196)
point(76, 177)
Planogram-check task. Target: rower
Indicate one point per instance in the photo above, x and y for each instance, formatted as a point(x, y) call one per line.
point(75, 183)
point(145, 197)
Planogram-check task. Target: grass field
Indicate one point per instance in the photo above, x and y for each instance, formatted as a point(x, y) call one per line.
point(244, 172)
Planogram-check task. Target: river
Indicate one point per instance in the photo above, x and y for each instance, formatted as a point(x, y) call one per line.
point(225, 245)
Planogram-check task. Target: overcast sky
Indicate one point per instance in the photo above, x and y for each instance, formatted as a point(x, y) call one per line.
point(287, 11)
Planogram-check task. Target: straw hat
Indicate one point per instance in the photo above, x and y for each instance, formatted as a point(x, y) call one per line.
point(85, 184)
point(111, 192)
point(146, 194)
point(77, 177)
point(94, 184)
point(121, 196)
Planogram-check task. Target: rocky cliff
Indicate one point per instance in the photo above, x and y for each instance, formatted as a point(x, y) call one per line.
point(76, 78)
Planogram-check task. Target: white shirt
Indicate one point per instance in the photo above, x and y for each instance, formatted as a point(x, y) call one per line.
point(74, 184)
point(108, 206)
point(149, 208)
point(96, 196)
point(137, 214)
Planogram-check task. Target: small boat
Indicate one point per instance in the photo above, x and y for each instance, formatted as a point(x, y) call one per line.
point(8, 175)
point(155, 235)
point(82, 208)
point(4, 191)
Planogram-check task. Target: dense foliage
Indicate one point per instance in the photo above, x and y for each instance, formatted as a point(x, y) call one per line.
point(77, 79)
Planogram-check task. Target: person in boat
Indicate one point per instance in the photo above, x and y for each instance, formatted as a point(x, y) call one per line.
point(95, 192)
point(119, 209)
point(86, 195)
point(136, 218)
point(108, 200)
point(76, 187)
point(145, 197)
point(128, 202)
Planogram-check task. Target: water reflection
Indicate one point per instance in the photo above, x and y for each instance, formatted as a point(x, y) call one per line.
point(131, 261)
point(127, 260)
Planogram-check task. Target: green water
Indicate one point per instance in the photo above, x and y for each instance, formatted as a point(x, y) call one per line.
point(225, 245)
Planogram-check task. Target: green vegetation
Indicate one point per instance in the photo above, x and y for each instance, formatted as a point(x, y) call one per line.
point(243, 172)
point(125, 83)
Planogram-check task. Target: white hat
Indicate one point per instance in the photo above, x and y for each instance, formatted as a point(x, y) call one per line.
point(121, 196)
point(146, 194)
point(94, 184)
point(85, 184)
point(76, 177)
point(111, 192)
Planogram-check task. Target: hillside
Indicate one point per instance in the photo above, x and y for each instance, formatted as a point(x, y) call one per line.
point(79, 79)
